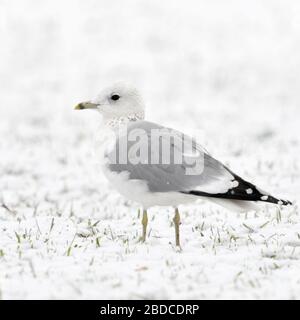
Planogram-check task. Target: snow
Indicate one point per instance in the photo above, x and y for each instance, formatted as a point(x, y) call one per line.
point(229, 69)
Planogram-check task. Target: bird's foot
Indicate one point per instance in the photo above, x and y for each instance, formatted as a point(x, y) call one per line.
point(142, 239)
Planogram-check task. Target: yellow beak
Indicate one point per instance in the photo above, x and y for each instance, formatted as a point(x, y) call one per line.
point(86, 105)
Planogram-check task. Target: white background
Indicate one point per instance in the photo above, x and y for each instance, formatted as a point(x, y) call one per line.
point(228, 68)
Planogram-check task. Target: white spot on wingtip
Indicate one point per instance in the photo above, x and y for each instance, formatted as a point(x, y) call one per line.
point(235, 184)
point(249, 191)
point(264, 198)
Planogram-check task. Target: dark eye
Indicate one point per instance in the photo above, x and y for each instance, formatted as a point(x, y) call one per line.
point(115, 97)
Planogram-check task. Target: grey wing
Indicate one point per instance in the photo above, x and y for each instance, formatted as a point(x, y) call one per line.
point(197, 170)
point(198, 173)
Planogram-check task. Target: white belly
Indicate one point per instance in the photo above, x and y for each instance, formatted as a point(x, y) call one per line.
point(137, 191)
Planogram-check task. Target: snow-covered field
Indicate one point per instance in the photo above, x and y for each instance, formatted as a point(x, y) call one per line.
point(228, 68)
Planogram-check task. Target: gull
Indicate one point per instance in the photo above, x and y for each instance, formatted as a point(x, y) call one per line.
point(138, 170)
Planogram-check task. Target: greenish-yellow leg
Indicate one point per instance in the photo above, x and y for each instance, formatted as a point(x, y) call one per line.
point(144, 223)
point(176, 221)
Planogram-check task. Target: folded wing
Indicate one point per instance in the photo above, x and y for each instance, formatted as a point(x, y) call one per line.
point(197, 173)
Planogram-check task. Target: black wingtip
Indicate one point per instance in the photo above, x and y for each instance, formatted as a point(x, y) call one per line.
point(284, 202)
point(270, 199)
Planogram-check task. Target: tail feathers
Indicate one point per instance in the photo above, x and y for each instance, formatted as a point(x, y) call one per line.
point(236, 205)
